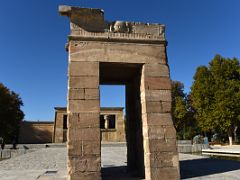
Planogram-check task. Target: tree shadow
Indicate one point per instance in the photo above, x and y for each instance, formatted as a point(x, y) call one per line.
point(206, 166)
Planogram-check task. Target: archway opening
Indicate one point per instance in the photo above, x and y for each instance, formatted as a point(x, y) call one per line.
point(125, 76)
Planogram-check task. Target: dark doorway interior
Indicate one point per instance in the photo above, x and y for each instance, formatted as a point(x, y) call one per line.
point(127, 74)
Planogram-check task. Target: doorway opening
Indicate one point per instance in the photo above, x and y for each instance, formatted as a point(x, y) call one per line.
point(126, 159)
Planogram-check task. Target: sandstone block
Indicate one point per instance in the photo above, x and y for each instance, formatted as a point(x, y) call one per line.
point(77, 106)
point(154, 83)
point(175, 160)
point(166, 106)
point(83, 94)
point(170, 132)
point(84, 82)
point(91, 93)
point(90, 55)
point(83, 134)
point(160, 145)
point(157, 119)
point(156, 95)
point(75, 94)
point(84, 148)
point(83, 68)
point(156, 107)
point(84, 163)
point(116, 52)
point(163, 58)
point(153, 132)
point(85, 176)
point(159, 132)
point(159, 159)
point(162, 173)
point(156, 70)
point(84, 120)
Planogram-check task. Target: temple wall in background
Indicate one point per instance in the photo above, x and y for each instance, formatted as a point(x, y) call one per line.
point(36, 132)
point(111, 119)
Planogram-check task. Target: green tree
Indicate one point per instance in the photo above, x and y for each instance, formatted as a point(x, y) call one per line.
point(178, 104)
point(182, 115)
point(215, 96)
point(10, 113)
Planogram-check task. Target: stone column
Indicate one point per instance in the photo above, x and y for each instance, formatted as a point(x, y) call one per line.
point(160, 150)
point(105, 121)
point(84, 149)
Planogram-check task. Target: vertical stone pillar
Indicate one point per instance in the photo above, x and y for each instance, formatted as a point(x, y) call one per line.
point(84, 149)
point(105, 122)
point(58, 131)
point(160, 150)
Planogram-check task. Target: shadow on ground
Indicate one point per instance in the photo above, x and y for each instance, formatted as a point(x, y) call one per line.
point(118, 173)
point(208, 166)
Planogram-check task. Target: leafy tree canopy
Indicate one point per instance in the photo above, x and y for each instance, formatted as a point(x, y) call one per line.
point(215, 95)
point(182, 115)
point(10, 113)
point(178, 104)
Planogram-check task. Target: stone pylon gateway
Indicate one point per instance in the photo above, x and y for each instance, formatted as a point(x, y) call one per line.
point(129, 53)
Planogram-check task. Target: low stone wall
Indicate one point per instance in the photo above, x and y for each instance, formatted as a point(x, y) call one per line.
point(184, 141)
point(186, 146)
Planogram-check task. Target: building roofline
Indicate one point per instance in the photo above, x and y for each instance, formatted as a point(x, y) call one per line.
point(60, 108)
point(111, 108)
point(101, 108)
point(38, 122)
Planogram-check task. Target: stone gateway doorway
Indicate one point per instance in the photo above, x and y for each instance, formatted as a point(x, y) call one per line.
point(129, 53)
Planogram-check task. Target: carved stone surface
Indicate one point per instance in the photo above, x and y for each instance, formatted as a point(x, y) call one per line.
point(120, 52)
point(90, 23)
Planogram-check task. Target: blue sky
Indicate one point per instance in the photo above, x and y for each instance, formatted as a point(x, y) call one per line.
point(33, 60)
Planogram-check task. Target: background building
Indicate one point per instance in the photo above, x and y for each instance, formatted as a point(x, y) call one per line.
point(112, 126)
point(111, 123)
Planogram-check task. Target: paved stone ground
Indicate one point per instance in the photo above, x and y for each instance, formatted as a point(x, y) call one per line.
point(195, 167)
point(50, 163)
point(114, 162)
point(40, 164)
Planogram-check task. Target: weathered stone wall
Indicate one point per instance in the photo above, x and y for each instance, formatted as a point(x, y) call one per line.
point(137, 50)
point(59, 135)
point(36, 132)
point(160, 150)
point(83, 121)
